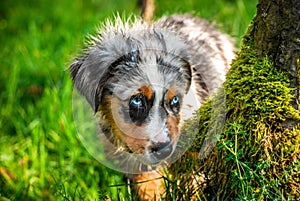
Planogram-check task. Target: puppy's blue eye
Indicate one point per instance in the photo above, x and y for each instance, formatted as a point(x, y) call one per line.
point(137, 102)
point(175, 100)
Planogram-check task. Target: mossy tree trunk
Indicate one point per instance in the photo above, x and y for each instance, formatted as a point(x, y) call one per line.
point(256, 156)
point(277, 35)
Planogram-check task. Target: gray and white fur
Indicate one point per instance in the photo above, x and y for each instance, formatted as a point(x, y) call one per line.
point(138, 77)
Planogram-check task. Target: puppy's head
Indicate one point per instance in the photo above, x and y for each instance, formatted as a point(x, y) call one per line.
point(136, 77)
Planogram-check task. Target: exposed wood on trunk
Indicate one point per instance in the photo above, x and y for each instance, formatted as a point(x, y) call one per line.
point(277, 34)
point(148, 8)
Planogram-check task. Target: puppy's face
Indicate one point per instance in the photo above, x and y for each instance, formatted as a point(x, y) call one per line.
point(143, 105)
point(137, 83)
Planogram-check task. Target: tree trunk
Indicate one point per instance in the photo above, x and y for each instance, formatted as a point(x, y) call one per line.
point(277, 34)
point(257, 154)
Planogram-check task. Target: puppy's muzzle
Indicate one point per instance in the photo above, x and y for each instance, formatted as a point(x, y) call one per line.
point(162, 150)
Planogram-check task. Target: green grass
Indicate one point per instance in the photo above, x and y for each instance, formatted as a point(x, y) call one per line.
point(40, 155)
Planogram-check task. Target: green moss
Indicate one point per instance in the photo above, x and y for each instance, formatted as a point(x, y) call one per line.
point(256, 90)
point(257, 155)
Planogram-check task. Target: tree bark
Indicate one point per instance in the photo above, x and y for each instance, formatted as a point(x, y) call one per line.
point(277, 35)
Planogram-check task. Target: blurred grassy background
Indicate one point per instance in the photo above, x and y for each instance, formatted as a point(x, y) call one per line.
point(40, 155)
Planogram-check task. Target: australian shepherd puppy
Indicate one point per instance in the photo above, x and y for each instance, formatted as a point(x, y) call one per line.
point(140, 80)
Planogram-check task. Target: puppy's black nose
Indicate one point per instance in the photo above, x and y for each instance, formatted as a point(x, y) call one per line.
point(162, 150)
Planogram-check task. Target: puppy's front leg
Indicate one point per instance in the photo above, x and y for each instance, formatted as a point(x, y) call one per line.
point(149, 185)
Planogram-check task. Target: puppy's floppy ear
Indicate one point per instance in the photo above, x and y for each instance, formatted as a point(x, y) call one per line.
point(89, 74)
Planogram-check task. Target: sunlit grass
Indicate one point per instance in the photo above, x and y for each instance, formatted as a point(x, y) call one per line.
point(40, 155)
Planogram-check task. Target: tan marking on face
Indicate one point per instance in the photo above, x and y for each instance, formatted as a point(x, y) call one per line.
point(172, 124)
point(170, 93)
point(137, 146)
point(105, 109)
point(134, 138)
point(147, 91)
